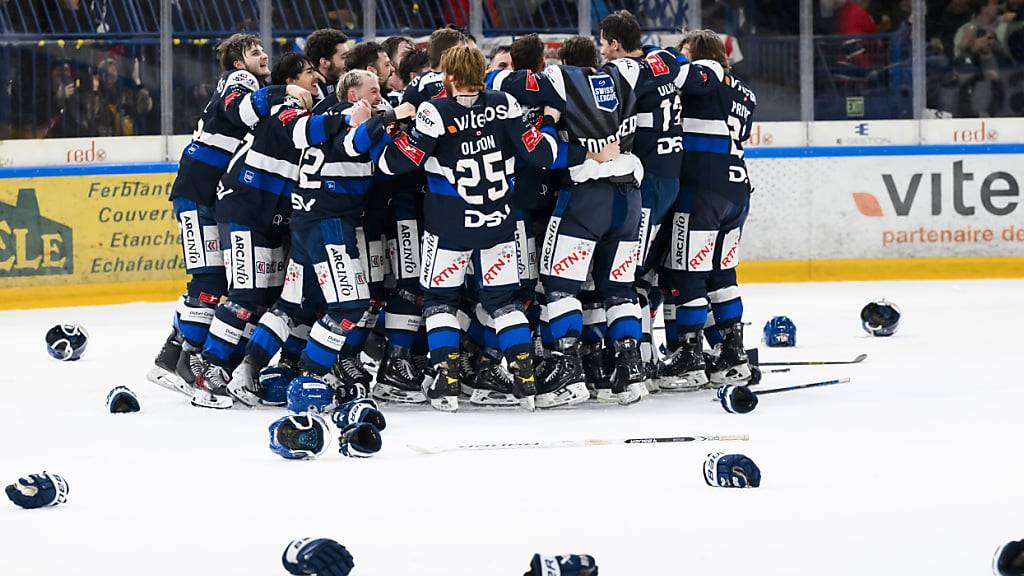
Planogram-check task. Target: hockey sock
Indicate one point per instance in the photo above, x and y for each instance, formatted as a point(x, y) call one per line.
point(512, 332)
point(226, 331)
point(690, 316)
point(325, 342)
point(442, 333)
point(671, 333)
point(273, 331)
point(404, 318)
point(295, 344)
point(595, 324)
point(727, 305)
point(565, 317)
point(623, 320)
point(194, 317)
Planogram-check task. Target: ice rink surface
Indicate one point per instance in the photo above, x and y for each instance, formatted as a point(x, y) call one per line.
point(914, 467)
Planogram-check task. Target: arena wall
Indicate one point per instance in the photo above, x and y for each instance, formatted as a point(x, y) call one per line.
point(86, 221)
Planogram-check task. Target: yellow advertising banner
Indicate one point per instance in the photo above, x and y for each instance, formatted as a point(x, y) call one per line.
point(88, 239)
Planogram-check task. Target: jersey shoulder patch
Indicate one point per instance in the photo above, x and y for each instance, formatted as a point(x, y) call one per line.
point(554, 75)
point(628, 68)
point(514, 109)
point(429, 121)
point(241, 78)
point(715, 67)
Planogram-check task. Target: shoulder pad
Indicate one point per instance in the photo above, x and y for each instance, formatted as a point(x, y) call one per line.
point(241, 78)
point(628, 68)
point(713, 66)
point(429, 120)
point(426, 78)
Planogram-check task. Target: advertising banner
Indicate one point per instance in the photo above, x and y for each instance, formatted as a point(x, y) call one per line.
point(87, 230)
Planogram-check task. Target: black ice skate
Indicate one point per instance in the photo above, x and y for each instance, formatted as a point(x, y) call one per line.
point(163, 372)
point(627, 385)
point(469, 361)
point(399, 379)
point(731, 366)
point(443, 389)
point(493, 384)
point(684, 369)
point(593, 366)
point(560, 378)
point(211, 389)
point(524, 385)
point(350, 373)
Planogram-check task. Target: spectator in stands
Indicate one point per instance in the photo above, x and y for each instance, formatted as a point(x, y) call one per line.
point(854, 19)
point(109, 106)
point(977, 73)
point(500, 58)
point(397, 47)
point(987, 17)
point(944, 19)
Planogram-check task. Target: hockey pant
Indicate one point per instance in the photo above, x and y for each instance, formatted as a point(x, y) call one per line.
point(595, 223)
point(704, 252)
point(204, 262)
point(254, 260)
point(657, 200)
point(403, 321)
point(445, 264)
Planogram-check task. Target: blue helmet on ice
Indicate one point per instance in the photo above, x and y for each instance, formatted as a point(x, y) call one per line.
point(880, 318)
point(66, 341)
point(300, 436)
point(780, 332)
point(309, 393)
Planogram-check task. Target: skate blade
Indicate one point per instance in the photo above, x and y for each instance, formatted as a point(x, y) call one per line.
point(390, 393)
point(203, 399)
point(445, 403)
point(571, 395)
point(168, 380)
point(528, 403)
point(481, 397)
point(642, 390)
point(247, 398)
point(652, 386)
point(733, 375)
point(689, 382)
point(633, 394)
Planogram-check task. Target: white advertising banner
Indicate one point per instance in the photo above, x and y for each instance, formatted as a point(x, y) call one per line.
point(885, 207)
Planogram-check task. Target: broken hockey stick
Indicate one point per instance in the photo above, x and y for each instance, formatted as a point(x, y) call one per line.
point(856, 360)
point(572, 443)
point(802, 386)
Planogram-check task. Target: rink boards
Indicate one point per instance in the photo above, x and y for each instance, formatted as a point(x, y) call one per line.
point(89, 222)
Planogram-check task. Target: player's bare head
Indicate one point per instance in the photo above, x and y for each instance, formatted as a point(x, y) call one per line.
point(296, 69)
point(500, 59)
point(397, 47)
point(415, 63)
point(243, 52)
point(370, 56)
point(578, 51)
point(527, 53)
point(464, 68)
point(326, 49)
point(358, 84)
point(440, 41)
point(705, 45)
point(620, 34)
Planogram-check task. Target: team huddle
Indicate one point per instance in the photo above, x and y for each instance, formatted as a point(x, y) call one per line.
point(504, 235)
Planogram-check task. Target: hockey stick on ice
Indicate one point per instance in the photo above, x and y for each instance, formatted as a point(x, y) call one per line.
point(572, 443)
point(856, 360)
point(802, 386)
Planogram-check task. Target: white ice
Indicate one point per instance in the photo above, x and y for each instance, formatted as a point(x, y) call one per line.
point(914, 467)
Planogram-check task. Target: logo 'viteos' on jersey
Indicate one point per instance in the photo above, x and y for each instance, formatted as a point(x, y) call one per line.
point(477, 120)
point(603, 88)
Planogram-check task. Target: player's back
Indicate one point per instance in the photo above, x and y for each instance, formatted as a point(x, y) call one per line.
point(658, 141)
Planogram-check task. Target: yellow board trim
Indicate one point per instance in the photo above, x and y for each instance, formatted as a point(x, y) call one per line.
point(880, 269)
point(749, 272)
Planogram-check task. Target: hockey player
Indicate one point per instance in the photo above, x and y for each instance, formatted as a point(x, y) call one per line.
point(370, 56)
point(658, 144)
point(468, 144)
point(709, 214)
point(253, 206)
point(326, 49)
point(237, 104)
point(595, 221)
point(415, 63)
point(397, 48)
point(399, 378)
point(326, 268)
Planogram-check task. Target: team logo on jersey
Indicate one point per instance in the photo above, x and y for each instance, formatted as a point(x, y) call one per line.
point(658, 66)
point(603, 88)
point(531, 82)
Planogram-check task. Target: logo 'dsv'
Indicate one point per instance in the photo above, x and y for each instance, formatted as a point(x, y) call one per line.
point(31, 245)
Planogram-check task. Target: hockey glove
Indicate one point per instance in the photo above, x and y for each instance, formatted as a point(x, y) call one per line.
point(320, 556)
point(568, 565)
point(121, 400)
point(345, 392)
point(737, 399)
point(358, 412)
point(38, 490)
point(360, 441)
point(1009, 559)
point(731, 471)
